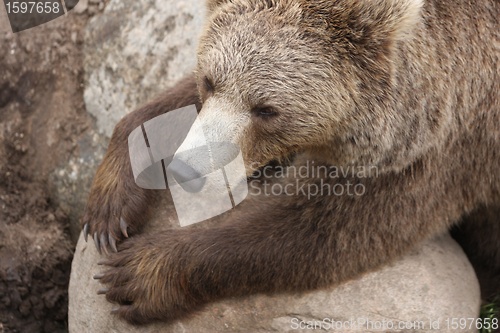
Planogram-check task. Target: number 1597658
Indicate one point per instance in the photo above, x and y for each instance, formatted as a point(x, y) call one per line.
point(32, 7)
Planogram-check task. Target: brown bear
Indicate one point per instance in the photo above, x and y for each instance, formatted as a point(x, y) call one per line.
point(410, 87)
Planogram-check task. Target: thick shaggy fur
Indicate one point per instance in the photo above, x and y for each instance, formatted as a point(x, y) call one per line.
point(411, 87)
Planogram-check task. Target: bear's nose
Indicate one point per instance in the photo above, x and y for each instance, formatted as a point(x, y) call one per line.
point(187, 177)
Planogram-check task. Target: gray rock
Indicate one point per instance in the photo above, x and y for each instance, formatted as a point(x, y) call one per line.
point(70, 184)
point(134, 50)
point(431, 284)
point(81, 7)
point(4, 24)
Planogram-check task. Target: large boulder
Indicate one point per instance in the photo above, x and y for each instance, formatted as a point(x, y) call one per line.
point(429, 285)
point(133, 51)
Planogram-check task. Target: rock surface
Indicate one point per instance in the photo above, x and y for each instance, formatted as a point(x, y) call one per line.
point(433, 283)
point(70, 184)
point(133, 51)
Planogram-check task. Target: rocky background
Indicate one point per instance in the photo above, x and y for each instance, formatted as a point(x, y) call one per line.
point(43, 123)
point(63, 87)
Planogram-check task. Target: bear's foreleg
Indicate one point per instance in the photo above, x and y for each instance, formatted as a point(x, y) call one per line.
point(116, 206)
point(281, 243)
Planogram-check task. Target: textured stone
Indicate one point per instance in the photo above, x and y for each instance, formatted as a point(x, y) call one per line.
point(432, 283)
point(4, 24)
point(70, 184)
point(134, 50)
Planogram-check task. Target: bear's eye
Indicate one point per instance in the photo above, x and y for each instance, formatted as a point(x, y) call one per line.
point(209, 85)
point(264, 112)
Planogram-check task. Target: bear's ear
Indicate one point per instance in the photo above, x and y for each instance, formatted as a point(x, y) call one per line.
point(390, 20)
point(212, 4)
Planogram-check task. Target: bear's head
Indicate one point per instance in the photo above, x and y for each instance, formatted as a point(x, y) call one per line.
point(285, 77)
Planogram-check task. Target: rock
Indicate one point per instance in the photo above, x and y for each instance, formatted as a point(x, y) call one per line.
point(136, 49)
point(70, 184)
point(4, 26)
point(431, 284)
point(81, 7)
point(133, 51)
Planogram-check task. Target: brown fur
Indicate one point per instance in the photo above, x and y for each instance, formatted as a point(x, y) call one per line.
point(114, 194)
point(413, 91)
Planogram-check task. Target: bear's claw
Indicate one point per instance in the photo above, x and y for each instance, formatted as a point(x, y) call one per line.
point(123, 227)
point(103, 291)
point(104, 241)
point(114, 212)
point(86, 231)
point(137, 285)
point(96, 242)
